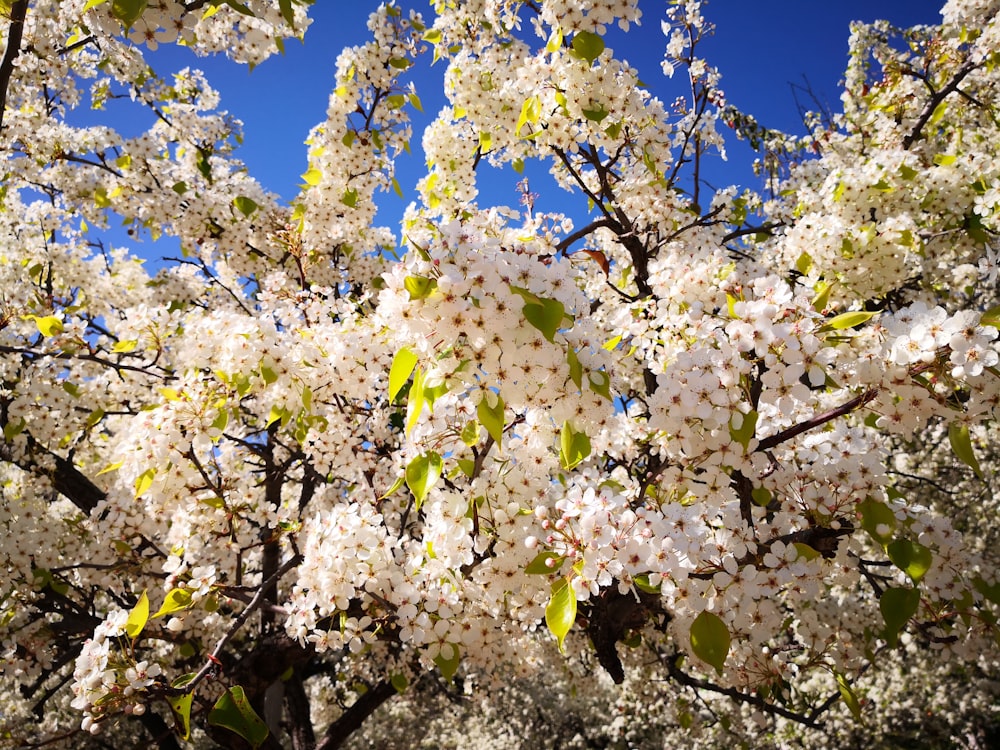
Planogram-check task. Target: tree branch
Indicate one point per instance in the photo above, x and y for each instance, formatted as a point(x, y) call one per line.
point(18, 10)
point(354, 717)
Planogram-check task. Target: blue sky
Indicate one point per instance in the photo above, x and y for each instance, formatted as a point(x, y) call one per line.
point(761, 47)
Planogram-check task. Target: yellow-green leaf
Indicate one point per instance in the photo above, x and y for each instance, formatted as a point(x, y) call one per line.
point(402, 366)
point(176, 600)
point(710, 640)
point(125, 346)
point(144, 481)
point(233, 712)
point(911, 557)
point(560, 612)
point(961, 444)
point(49, 325)
point(848, 696)
point(422, 473)
point(574, 447)
point(137, 617)
point(848, 320)
point(490, 413)
point(448, 663)
point(312, 176)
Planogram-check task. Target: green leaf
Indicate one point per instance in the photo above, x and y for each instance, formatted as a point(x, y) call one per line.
point(600, 383)
point(875, 514)
point(124, 346)
point(233, 712)
point(448, 664)
point(244, 205)
point(805, 552)
point(422, 474)
point(912, 558)
point(470, 433)
point(847, 320)
point(399, 682)
point(560, 612)
point(587, 45)
point(48, 325)
point(710, 640)
point(144, 481)
point(415, 401)
point(546, 315)
point(540, 565)
point(287, 12)
point(555, 40)
point(642, 583)
point(848, 695)
point(961, 445)
point(822, 298)
point(747, 429)
point(176, 600)
point(128, 11)
point(402, 366)
point(138, 617)
point(991, 317)
point(490, 413)
point(312, 176)
point(180, 706)
point(898, 606)
point(531, 112)
point(419, 287)
point(595, 114)
point(574, 447)
point(945, 160)
point(575, 368)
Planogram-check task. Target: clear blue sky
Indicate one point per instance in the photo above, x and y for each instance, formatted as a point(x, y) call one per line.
point(760, 46)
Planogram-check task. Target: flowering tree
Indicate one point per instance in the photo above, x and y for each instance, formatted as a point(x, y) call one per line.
point(720, 455)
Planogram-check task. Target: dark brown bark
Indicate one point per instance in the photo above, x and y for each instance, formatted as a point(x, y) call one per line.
point(18, 10)
point(354, 717)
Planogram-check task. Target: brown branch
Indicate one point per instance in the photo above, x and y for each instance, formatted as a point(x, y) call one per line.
point(354, 717)
point(684, 678)
point(18, 10)
point(253, 606)
point(858, 401)
point(935, 100)
point(579, 234)
point(66, 479)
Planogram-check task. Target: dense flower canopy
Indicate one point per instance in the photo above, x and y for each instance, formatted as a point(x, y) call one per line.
point(719, 460)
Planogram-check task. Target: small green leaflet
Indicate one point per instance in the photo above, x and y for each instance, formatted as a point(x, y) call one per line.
point(991, 317)
point(595, 113)
point(540, 565)
point(312, 177)
point(531, 111)
point(848, 695)
point(400, 371)
point(897, 606)
point(233, 712)
point(875, 514)
point(144, 481)
point(490, 413)
point(415, 402)
point(419, 287)
point(128, 11)
point(244, 205)
point(912, 558)
point(574, 447)
point(175, 601)
point(587, 46)
point(710, 640)
point(747, 429)
point(180, 706)
point(847, 320)
point(448, 664)
point(49, 325)
point(560, 612)
point(137, 617)
point(961, 444)
point(422, 474)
